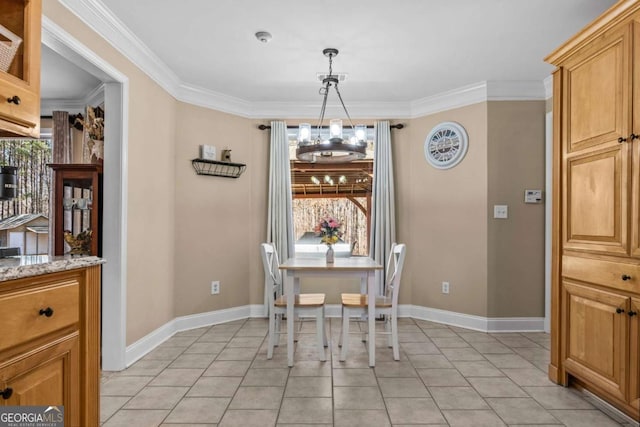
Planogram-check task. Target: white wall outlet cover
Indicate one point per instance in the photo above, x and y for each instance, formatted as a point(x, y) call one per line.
point(500, 211)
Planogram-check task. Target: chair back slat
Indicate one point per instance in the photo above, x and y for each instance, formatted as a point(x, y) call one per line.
point(272, 275)
point(394, 271)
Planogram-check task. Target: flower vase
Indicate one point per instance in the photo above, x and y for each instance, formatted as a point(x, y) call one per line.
point(329, 255)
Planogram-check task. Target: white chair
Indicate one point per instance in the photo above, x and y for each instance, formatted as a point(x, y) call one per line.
point(387, 305)
point(305, 304)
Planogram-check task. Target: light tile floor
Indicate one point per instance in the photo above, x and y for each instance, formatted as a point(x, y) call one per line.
point(446, 376)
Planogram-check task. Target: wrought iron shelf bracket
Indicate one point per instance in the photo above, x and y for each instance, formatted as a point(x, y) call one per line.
point(217, 168)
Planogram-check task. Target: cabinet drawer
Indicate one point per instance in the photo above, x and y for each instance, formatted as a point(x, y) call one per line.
point(601, 272)
point(24, 314)
point(27, 112)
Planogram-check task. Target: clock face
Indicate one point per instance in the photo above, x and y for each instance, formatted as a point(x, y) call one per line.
point(446, 145)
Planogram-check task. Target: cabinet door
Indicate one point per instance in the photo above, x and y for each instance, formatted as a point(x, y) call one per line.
point(596, 99)
point(635, 142)
point(20, 83)
point(634, 362)
point(595, 326)
point(596, 92)
point(596, 200)
point(48, 376)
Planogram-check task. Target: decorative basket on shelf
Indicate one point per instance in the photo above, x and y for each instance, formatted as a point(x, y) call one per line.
point(8, 47)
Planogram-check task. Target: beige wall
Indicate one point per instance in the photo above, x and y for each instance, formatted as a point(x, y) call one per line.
point(150, 189)
point(219, 221)
point(516, 245)
point(442, 216)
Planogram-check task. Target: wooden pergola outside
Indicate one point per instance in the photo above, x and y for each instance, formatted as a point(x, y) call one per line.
point(345, 180)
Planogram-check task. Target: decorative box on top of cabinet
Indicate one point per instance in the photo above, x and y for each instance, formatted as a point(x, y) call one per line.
point(77, 204)
point(20, 82)
point(596, 212)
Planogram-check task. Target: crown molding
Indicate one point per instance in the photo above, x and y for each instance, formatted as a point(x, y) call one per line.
point(75, 106)
point(101, 20)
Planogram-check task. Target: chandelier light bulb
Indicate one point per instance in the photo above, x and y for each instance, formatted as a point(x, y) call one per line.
point(361, 133)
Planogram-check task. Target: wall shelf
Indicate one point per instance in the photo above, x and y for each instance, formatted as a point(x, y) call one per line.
point(217, 168)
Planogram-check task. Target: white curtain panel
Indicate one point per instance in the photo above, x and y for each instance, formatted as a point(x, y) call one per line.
point(383, 215)
point(280, 210)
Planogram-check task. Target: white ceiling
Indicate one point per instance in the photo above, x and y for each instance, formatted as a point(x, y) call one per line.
point(394, 52)
point(62, 80)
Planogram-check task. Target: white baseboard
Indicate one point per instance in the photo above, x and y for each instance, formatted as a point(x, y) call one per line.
point(147, 343)
point(144, 345)
point(478, 323)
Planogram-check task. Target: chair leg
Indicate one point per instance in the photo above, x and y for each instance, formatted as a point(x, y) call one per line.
point(341, 329)
point(394, 336)
point(324, 328)
point(272, 334)
point(345, 334)
point(388, 329)
point(320, 333)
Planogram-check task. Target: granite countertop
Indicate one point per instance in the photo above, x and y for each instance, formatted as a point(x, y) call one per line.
point(34, 265)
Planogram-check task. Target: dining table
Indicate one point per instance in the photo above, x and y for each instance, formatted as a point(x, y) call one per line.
point(363, 268)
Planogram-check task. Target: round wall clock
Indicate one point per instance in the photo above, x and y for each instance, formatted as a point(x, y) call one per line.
point(446, 145)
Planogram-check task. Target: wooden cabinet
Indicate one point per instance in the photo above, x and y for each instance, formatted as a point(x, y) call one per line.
point(20, 82)
point(634, 363)
point(77, 200)
point(50, 374)
point(589, 313)
point(596, 225)
point(51, 356)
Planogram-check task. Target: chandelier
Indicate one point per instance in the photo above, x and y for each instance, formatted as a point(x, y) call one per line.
point(335, 149)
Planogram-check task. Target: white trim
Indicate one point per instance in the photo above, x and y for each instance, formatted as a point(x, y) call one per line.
point(114, 272)
point(548, 216)
point(94, 97)
point(146, 344)
point(72, 106)
point(548, 87)
point(478, 323)
point(150, 341)
point(101, 20)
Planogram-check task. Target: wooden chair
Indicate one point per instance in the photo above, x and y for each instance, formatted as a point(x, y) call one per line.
point(305, 304)
point(387, 305)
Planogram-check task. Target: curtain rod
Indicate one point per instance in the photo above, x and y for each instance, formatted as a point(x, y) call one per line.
point(263, 127)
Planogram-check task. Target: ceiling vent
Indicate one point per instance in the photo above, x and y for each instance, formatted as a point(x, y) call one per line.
point(340, 76)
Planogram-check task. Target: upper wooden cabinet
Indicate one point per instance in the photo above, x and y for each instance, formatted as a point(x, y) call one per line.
point(20, 83)
point(599, 142)
point(596, 213)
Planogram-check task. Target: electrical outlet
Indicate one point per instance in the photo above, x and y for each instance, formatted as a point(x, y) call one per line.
point(445, 287)
point(215, 287)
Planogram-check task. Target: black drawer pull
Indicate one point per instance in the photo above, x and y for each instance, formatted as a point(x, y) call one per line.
point(634, 136)
point(625, 277)
point(632, 313)
point(46, 312)
point(15, 99)
point(621, 140)
point(6, 393)
point(619, 310)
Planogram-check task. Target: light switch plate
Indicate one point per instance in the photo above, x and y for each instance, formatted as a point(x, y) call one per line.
point(533, 196)
point(500, 211)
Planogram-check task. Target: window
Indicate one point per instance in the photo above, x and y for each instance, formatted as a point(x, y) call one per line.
point(24, 219)
point(340, 190)
point(31, 156)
